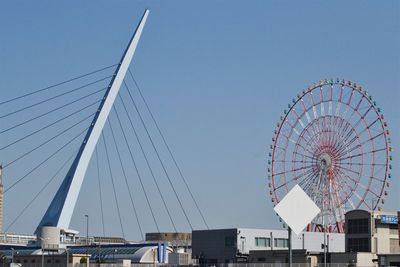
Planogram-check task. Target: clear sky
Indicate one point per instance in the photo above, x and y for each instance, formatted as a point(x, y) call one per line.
point(217, 74)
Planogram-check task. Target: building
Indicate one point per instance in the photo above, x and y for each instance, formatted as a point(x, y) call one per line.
point(136, 253)
point(235, 244)
point(372, 238)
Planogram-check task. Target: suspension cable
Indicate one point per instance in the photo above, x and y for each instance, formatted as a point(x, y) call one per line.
point(51, 111)
point(168, 148)
point(113, 185)
point(47, 126)
point(125, 178)
point(158, 156)
point(100, 191)
point(47, 141)
point(44, 161)
point(39, 192)
point(57, 84)
point(148, 165)
point(136, 168)
point(52, 98)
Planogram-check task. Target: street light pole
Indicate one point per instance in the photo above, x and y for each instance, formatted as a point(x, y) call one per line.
point(66, 251)
point(41, 245)
point(87, 229)
point(12, 255)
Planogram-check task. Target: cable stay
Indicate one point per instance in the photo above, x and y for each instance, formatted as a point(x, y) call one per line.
point(148, 165)
point(53, 97)
point(113, 184)
point(40, 191)
point(47, 141)
point(45, 160)
point(135, 167)
point(158, 156)
point(168, 148)
point(125, 178)
point(47, 126)
point(100, 191)
point(51, 111)
point(57, 84)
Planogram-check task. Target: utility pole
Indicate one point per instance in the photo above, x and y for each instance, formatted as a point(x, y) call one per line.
point(1, 198)
point(290, 246)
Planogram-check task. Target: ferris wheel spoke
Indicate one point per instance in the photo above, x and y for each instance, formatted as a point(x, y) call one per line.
point(377, 179)
point(288, 182)
point(305, 149)
point(305, 111)
point(343, 179)
point(297, 153)
point(292, 170)
point(361, 144)
point(351, 203)
point(340, 168)
point(371, 191)
point(363, 164)
point(314, 109)
point(362, 200)
point(361, 154)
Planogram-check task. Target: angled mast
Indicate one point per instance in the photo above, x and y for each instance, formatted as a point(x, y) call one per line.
point(60, 211)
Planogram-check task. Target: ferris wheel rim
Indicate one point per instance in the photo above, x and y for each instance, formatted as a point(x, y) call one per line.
point(300, 98)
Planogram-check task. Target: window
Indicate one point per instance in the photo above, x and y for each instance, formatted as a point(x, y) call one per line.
point(358, 244)
point(262, 242)
point(357, 226)
point(394, 245)
point(281, 242)
point(230, 241)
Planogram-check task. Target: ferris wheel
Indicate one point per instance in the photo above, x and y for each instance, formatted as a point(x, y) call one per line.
point(333, 141)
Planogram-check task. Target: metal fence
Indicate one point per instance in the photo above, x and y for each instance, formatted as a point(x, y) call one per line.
point(224, 265)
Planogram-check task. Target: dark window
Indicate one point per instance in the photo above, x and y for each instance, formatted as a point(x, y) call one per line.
point(357, 226)
point(57, 261)
point(262, 242)
point(33, 261)
point(281, 242)
point(358, 244)
point(261, 259)
point(230, 241)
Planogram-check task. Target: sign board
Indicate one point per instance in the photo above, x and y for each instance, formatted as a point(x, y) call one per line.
point(389, 219)
point(297, 209)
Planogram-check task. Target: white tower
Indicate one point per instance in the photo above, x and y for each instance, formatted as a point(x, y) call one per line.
point(62, 206)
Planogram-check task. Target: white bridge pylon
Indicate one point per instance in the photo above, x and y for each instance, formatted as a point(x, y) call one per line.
point(60, 211)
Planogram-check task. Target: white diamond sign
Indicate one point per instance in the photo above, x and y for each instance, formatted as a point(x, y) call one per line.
point(297, 209)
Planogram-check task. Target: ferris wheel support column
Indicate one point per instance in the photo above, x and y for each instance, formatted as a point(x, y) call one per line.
point(324, 164)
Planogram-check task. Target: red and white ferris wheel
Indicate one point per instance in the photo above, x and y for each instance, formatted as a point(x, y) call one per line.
point(333, 141)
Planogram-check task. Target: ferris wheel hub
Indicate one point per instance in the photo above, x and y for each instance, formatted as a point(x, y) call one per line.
point(325, 161)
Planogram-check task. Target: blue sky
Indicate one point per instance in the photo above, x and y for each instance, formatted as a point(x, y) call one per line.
point(217, 74)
